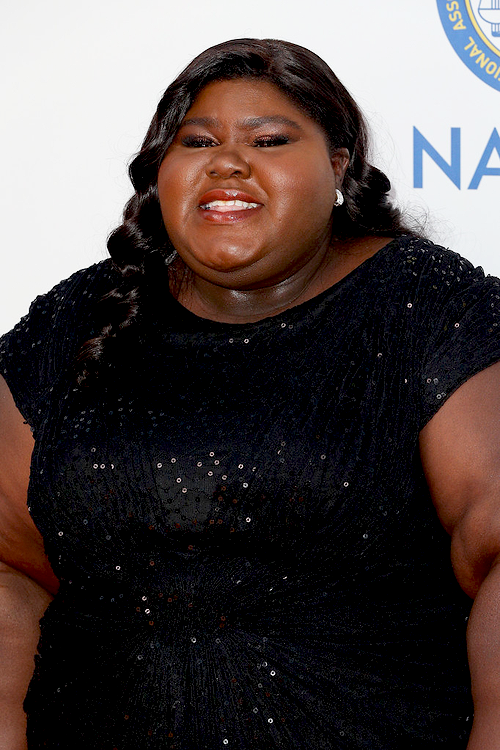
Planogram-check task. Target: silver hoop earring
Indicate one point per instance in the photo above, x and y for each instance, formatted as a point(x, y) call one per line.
point(340, 198)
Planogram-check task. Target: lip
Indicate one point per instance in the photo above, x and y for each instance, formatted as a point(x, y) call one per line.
point(226, 216)
point(226, 194)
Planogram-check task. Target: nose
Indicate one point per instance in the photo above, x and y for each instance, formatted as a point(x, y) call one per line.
point(228, 162)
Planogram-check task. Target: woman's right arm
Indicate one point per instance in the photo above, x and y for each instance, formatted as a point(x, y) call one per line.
point(27, 582)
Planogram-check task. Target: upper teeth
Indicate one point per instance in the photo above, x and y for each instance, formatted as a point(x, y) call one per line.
point(236, 203)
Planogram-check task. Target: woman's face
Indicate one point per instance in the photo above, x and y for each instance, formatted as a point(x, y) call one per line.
point(248, 185)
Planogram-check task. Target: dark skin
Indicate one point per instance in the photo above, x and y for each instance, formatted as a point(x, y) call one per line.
point(27, 582)
point(247, 137)
point(460, 449)
point(242, 269)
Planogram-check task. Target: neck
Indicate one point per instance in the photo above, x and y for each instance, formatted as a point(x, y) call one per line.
point(246, 305)
point(238, 304)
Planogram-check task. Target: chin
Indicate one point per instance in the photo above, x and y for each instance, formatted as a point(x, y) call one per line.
point(227, 261)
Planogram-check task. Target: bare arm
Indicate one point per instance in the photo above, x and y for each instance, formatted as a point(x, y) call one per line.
point(22, 603)
point(26, 580)
point(460, 450)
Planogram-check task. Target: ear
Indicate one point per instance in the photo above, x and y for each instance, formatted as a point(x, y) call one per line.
point(340, 161)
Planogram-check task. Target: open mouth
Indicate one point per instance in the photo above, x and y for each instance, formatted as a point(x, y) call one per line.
point(227, 206)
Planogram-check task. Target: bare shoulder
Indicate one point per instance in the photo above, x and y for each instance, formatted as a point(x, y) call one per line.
point(21, 546)
point(460, 450)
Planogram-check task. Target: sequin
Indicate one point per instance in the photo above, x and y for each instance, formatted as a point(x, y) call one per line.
point(316, 394)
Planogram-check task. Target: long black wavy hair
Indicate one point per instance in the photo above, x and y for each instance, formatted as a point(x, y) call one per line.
point(140, 247)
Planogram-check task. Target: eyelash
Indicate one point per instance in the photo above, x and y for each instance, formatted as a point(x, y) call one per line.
point(271, 140)
point(197, 141)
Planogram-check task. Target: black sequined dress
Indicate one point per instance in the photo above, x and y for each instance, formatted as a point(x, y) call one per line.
point(248, 553)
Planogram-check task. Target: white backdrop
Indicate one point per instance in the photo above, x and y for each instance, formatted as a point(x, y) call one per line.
point(81, 82)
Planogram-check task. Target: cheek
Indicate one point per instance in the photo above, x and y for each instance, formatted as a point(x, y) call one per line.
point(308, 193)
point(171, 193)
point(176, 182)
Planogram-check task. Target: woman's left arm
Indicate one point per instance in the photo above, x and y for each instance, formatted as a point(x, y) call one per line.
point(460, 449)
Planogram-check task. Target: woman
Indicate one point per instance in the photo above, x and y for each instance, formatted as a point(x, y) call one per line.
point(250, 454)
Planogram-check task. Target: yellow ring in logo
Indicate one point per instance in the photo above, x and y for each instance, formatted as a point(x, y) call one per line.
point(479, 30)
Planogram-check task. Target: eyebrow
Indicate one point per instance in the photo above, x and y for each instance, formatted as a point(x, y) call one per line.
point(250, 123)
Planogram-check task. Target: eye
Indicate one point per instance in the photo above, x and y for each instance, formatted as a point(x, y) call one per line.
point(198, 141)
point(266, 141)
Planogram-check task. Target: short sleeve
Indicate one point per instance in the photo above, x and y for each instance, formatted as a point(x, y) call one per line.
point(44, 343)
point(464, 327)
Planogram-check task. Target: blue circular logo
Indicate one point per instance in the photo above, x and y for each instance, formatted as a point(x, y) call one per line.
point(473, 28)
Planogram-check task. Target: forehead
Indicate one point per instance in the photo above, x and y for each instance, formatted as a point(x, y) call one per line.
point(241, 99)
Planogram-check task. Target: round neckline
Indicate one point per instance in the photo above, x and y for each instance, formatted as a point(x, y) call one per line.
point(182, 314)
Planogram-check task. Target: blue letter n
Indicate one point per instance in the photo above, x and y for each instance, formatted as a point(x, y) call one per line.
point(451, 170)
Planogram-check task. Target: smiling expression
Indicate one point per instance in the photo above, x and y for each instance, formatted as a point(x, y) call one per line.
point(248, 185)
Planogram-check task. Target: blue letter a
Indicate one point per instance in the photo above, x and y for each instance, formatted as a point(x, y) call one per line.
point(482, 167)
